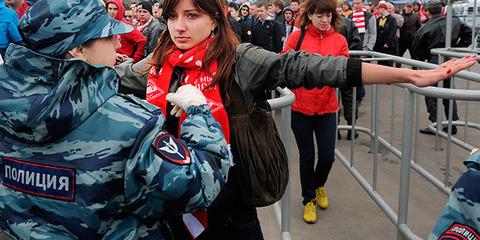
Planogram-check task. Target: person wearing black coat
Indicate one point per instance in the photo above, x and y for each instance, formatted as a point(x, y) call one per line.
point(350, 31)
point(386, 33)
point(410, 25)
point(266, 33)
point(432, 35)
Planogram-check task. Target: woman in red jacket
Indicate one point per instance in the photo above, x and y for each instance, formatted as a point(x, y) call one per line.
point(314, 111)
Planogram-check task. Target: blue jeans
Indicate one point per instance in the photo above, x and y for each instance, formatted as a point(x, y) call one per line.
point(234, 222)
point(324, 127)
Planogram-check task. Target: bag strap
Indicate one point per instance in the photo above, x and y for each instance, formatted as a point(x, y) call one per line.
point(300, 40)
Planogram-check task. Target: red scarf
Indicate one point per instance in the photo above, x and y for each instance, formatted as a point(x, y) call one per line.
point(191, 62)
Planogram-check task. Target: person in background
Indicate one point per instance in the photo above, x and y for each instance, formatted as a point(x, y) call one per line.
point(270, 12)
point(350, 32)
point(314, 111)
point(230, 217)
point(399, 20)
point(157, 12)
point(346, 9)
point(8, 28)
point(128, 16)
point(278, 7)
point(133, 6)
point(148, 25)
point(246, 23)
point(288, 25)
point(295, 5)
point(266, 33)
point(429, 36)
point(253, 11)
point(234, 10)
point(407, 31)
point(237, 28)
point(386, 33)
point(367, 28)
point(80, 161)
point(366, 25)
point(420, 11)
point(132, 43)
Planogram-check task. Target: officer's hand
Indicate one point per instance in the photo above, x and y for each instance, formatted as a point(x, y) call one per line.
point(185, 97)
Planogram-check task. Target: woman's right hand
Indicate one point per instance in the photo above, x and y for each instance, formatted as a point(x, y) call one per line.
point(446, 70)
point(186, 96)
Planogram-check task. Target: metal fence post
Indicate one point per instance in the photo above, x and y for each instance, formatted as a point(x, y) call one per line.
point(438, 140)
point(285, 202)
point(405, 164)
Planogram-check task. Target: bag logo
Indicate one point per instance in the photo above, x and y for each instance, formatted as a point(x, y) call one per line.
point(460, 232)
point(171, 149)
point(39, 179)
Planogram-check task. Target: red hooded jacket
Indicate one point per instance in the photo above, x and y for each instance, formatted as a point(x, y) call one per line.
point(133, 43)
point(318, 100)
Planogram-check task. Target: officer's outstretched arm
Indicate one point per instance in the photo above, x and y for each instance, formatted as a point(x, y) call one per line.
point(166, 176)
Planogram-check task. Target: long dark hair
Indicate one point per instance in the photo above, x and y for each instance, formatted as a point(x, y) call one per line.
point(223, 48)
point(320, 6)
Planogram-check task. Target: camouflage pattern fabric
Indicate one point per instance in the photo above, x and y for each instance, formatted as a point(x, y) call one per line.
point(460, 218)
point(79, 161)
point(53, 27)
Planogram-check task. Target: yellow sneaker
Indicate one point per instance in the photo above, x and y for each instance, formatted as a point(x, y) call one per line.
point(310, 212)
point(321, 197)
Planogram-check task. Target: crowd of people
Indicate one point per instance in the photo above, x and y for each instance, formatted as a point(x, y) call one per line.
point(83, 158)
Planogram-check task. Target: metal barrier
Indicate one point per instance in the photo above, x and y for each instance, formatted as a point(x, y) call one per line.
point(408, 159)
point(283, 104)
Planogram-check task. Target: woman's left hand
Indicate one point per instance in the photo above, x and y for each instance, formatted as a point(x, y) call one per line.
point(424, 78)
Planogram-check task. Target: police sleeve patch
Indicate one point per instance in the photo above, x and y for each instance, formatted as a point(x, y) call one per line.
point(171, 149)
point(460, 232)
point(39, 179)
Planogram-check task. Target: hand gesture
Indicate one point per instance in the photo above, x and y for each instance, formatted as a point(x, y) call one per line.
point(424, 78)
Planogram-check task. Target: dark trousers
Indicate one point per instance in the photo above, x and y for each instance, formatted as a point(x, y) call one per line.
point(324, 127)
point(404, 45)
point(233, 222)
point(432, 106)
point(347, 102)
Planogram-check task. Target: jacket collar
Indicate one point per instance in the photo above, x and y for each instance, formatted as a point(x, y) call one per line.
point(317, 32)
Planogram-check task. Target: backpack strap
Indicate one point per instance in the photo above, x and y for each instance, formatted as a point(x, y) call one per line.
point(300, 40)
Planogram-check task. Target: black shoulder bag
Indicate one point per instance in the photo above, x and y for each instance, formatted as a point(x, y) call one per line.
point(261, 163)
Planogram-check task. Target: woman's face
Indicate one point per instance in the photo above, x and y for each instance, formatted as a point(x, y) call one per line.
point(188, 26)
point(245, 11)
point(100, 51)
point(321, 20)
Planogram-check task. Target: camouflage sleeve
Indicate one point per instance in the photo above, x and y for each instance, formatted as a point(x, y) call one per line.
point(460, 218)
point(166, 176)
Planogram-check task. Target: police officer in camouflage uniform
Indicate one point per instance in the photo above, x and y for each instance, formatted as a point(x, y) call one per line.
point(78, 160)
point(460, 218)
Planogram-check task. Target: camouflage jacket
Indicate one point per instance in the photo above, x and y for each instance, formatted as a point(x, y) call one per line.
point(79, 161)
point(460, 218)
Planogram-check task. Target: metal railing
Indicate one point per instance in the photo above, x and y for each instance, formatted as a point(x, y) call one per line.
point(408, 161)
point(282, 208)
point(407, 153)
